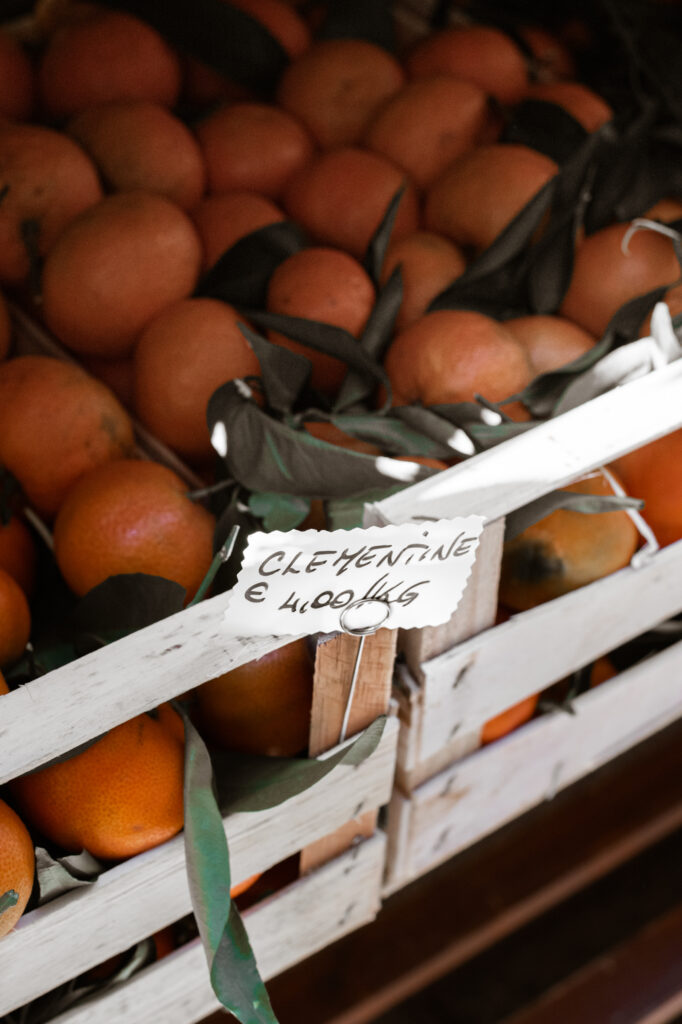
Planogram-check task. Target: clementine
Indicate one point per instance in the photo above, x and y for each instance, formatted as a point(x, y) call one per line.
point(15, 620)
point(509, 720)
point(428, 263)
point(121, 796)
point(341, 196)
point(327, 285)
point(566, 550)
point(653, 473)
point(582, 103)
point(114, 268)
point(181, 358)
point(337, 86)
point(221, 220)
point(262, 707)
point(140, 144)
point(550, 341)
point(18, 554)
point(116, 373)
point(477, 53)
point(56, 423)
point(17, 864)
point(16, 79)
point(132, 516)
point(479, 194)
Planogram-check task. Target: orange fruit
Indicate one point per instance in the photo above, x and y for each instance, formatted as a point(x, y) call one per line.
point(171, 720)
point(116, 373)
point(139, 144)
point(262, 707)
point(203, 85)
point(508, 720)
point(223, 219)
point(452, 355)
point(56, 423)
point(566, 550)
point(181, 358)
point(550, 341)
point(329, 432)
point(132, 516)
point(16, 79)
point(479, 194)
point(477, 53)
point(18, 554)
point(673, 300)
point(653, 473)
point(604, 277)
point(327, 285)
point(4, 688)
point(114, 268)
point(429, 263)
point(665, 210)
point(337, 86)
point(121, 796)
point(108, 55)
point(15, 620)
point(17, 864)
point(241, 887)
point(288, 27)
point(341, 197)
point(47, 181)
point(585, 105)
point(552, 59)
point(234, 139)
point(602, 670)
point(5, 328)
point(428, 124)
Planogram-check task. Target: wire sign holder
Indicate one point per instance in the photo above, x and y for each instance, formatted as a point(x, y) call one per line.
point(361, 630)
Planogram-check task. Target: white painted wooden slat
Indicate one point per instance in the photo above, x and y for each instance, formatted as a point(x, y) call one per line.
point(550, 455)
point(134, 899)
point(484, 791)
point(285, 929)
point(66, 707)
point(483, 676)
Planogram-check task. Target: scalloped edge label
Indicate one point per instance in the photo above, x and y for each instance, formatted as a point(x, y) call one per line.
point(311, 581)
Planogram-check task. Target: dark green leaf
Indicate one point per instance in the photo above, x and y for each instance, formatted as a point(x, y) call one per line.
point(435, 424)
point(285, 374)
point(333, 341)
point(240, 277)
point(545, 127)
point(125, 603)
point(248, 782)
point(279, 511)
point(379, 242)
point(265, 455)
point(392, 434)
point(218, 34)
point(61, 874)
point(233, 971)
point(359, 19)
point(589, 504)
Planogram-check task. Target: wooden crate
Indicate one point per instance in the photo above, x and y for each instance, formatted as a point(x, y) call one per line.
point(64, 708)
point(457, 677)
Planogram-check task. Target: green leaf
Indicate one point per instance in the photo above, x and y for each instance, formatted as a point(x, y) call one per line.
point(545, 127)
point(279, 511)
point(249, 782)
point(285, 374)
point(125, 603)
point(240, 277)
point(391, 434)
point(57, 875)
point(359, 19)
point(266, 455)
point(233, 971)
point(8, 900)
point(379, 242)
point(220, 35)
point(589, 504)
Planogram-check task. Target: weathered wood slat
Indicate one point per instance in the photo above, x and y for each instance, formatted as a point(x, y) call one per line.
point(284, 929)
point(131, 901)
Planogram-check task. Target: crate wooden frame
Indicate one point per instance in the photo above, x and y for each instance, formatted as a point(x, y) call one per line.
point(450, 793)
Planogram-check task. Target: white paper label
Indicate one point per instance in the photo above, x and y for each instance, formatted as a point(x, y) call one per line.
point(301, 582)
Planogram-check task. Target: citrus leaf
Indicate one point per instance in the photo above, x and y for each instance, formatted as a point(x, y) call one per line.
point(376, 337)
point(233, 971)
point(391, 434)
point(279, 511)
point(589, 504)
point(359, 19)
point(333, 341)
point(240, 276)
point(220, 35)
point(265, 455)
point(285, 374)
point(545, 127)
point(125, 603)
point(57, 875)
point(378, 244)
point(435, 424)
point(8, 900)
point(249, 782)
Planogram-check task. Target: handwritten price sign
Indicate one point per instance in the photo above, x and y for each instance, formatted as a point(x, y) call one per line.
point(301, 581)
